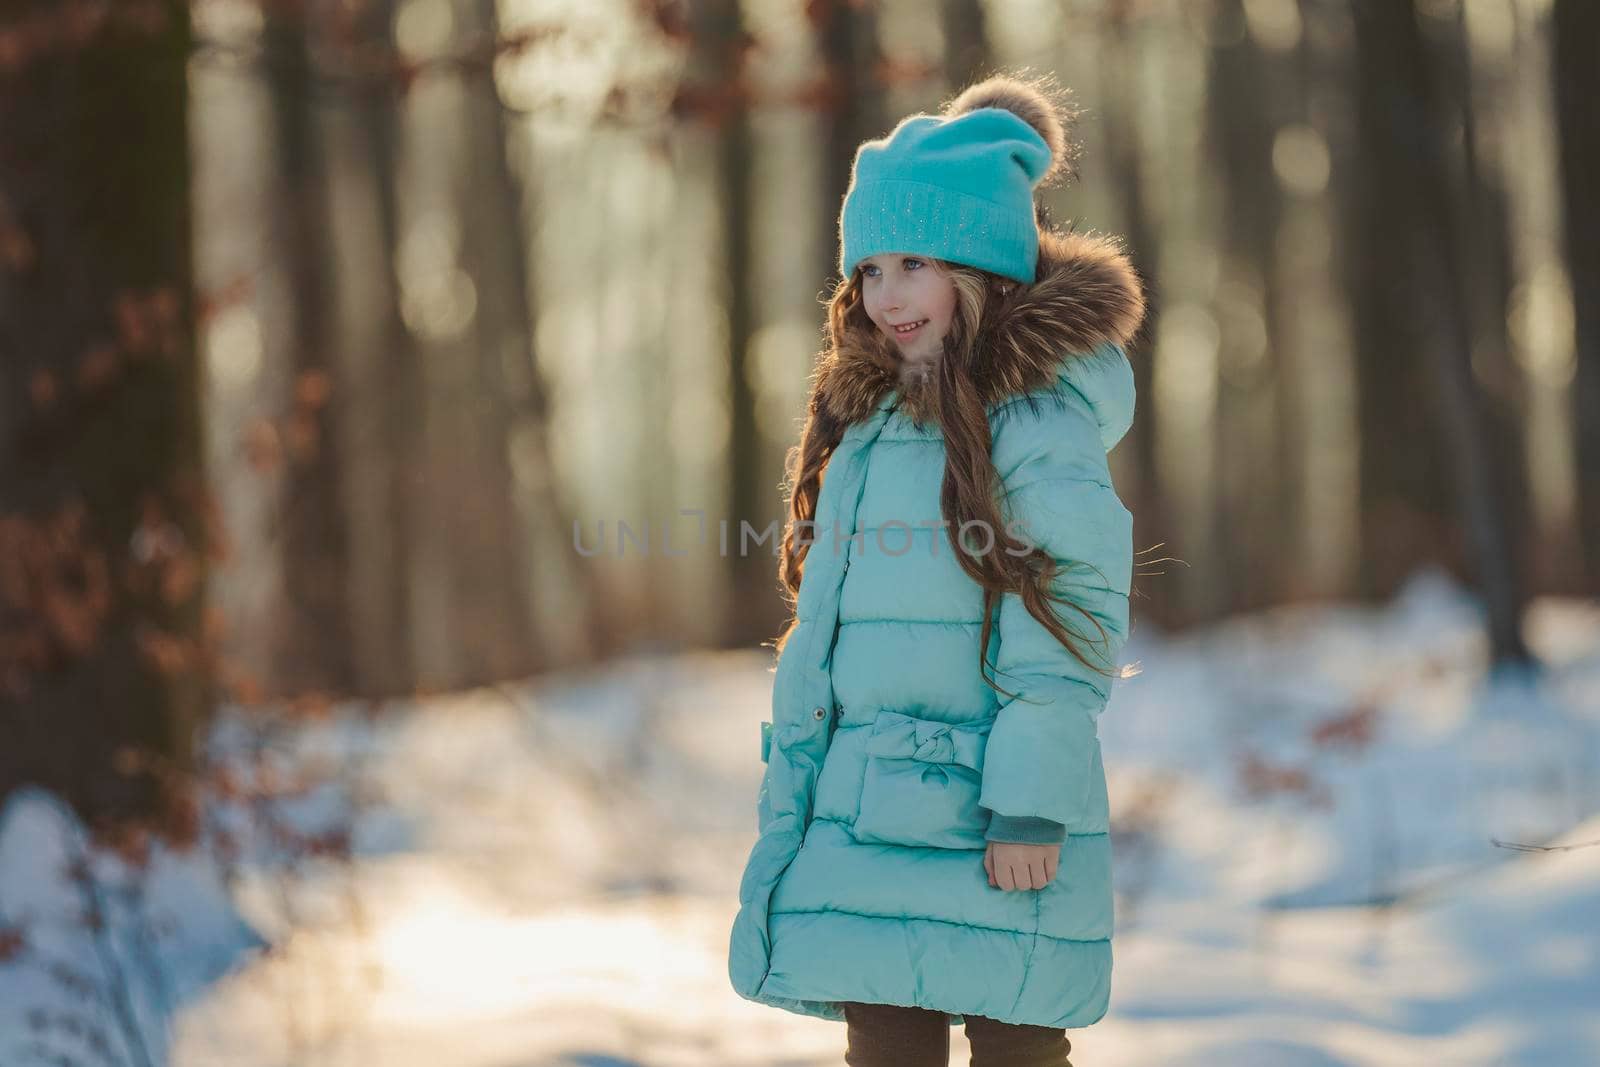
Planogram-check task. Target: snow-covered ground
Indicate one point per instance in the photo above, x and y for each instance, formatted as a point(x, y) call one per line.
point(1307, 805)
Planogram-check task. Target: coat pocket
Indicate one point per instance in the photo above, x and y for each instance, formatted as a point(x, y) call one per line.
point(922, 783)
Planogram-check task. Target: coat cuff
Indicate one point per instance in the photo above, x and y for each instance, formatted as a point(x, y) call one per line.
point(1025, 830)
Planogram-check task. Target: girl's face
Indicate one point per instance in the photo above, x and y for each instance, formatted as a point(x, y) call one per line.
point(899, 289)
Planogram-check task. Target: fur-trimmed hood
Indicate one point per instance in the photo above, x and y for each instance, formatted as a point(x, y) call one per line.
point(1085, 293)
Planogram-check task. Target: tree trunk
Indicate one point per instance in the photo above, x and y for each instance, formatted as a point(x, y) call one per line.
point(312, 639)
point(381, 366)
point(105, 674)
point(1488, 374)
point(847, 40)
point(1434, 258)
point(1405, 500)
point(966, 43)
point(1125, 163)
point(1575, 26)
point(498, 601)
point(1259, 451)
point(717, 70)
point(470, 590)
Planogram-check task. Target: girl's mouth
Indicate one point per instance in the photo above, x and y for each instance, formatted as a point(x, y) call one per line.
point(909, 331)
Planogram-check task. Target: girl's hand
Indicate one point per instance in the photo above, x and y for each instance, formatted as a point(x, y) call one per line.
point(1013, 866)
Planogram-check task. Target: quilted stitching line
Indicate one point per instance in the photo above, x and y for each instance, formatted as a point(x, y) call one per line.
point(1027, 961)
point(931, 848)
point(943, 922)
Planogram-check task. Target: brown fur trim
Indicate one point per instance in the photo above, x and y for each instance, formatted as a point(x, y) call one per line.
point(1085, 292)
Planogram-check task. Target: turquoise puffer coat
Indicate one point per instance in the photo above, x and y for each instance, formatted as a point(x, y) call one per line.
point(887, 755)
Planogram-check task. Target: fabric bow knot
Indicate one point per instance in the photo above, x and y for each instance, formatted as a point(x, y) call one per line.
point(898, 736)
point(935, 747)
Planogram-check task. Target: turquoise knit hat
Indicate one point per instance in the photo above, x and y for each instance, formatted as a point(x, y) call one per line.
point(958, 186)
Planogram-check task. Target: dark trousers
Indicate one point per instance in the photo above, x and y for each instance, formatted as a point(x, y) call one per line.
point(888, 1035)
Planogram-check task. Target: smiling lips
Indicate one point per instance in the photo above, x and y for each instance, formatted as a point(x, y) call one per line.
point(908, 331)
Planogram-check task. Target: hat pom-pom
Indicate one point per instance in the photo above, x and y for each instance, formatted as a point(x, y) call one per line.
point(1039, 102)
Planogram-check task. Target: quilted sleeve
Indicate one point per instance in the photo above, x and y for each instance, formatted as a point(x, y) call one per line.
point(1043, 759)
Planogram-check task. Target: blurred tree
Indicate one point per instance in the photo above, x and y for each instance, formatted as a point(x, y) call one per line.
point(559, 598)
point(380, 366)
point(853, 104)
point(1404, 117)
point(476, 568)
point(1489, 385)
point(1125, 162)
point(718, 93)
point(497, 257)
point(311, 637)
point(1259, 452)
point(105, 524)
point(1405, 498)
point(1575, 27)
point(966, 43)
point(422, 481)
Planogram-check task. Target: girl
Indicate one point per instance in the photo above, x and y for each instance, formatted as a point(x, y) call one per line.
point(933, 819)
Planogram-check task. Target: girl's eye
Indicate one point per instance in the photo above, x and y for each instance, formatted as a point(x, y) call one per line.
point(865, 270)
